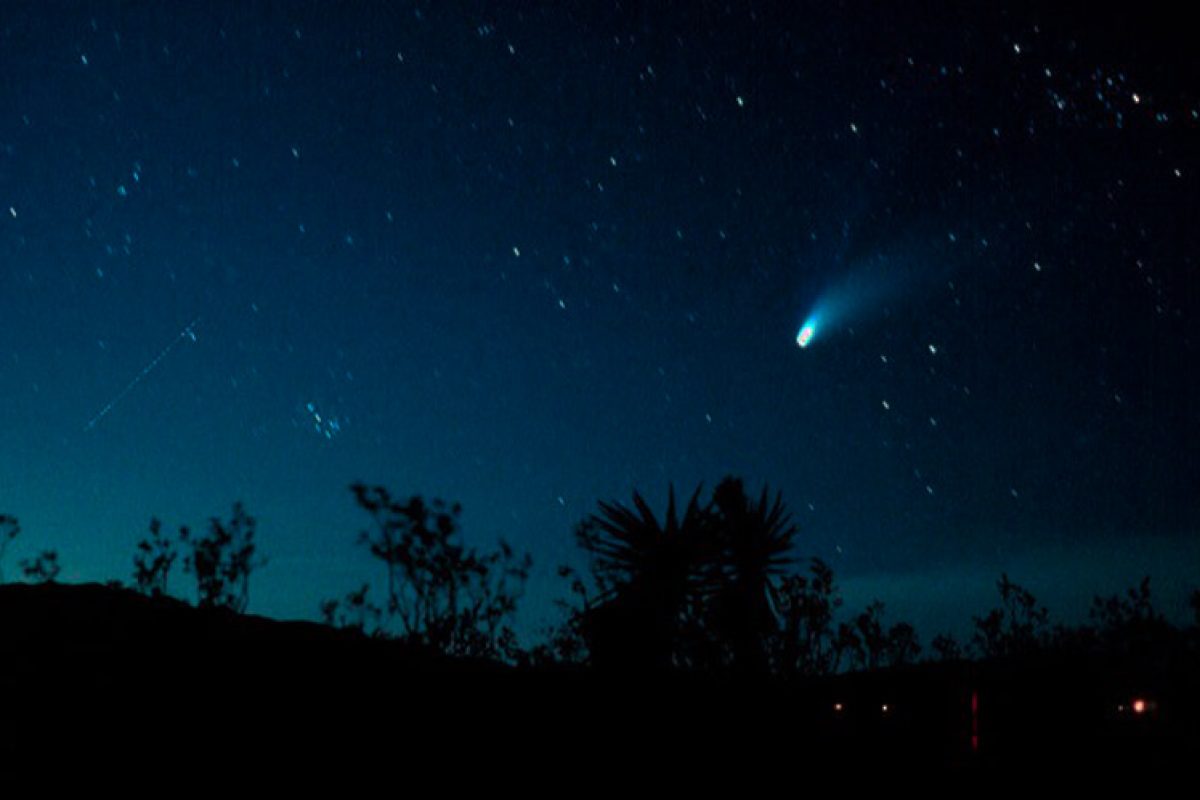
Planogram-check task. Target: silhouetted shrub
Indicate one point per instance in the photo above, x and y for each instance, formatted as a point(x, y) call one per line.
point(354, 611)
point(869, 627)
point(806, 641)
point(1129, 623)
point(871, 645)
point(946, 648)
point(9, 530)
point(565, 643)
point(443, 595)
point(223, 560)
point(904, 646)
point(44, 568)
point(847, 648)
point(1017, 628)
point(153, 560)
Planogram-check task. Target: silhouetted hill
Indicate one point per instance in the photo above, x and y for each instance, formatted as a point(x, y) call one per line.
point(98, 669)
point(96, 666)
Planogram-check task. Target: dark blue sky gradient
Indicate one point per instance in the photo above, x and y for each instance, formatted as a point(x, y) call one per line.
point(530, 257)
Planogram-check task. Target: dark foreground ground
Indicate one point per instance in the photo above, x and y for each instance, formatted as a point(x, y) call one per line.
point(94, 670)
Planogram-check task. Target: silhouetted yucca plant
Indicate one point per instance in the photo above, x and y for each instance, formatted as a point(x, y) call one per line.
point(649, 574)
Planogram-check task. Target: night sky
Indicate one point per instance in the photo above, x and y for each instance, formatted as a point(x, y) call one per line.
point(528, 256)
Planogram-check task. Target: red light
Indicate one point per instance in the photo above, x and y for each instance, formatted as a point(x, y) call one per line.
point(837, 707)
point(1139, 706)
point(975, 721)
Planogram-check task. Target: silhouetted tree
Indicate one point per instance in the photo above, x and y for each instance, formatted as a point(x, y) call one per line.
point(9, 530)
point(649, 575)
point(1017, 628)
point(755, 542)
point(42, 569)
point(807, 637)
point(444, 595)
point(223, 560)
point(153, 560)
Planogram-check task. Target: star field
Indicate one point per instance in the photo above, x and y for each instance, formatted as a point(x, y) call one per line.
point(528, 257)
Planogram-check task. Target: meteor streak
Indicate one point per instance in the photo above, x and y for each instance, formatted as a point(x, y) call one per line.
point(188, 332)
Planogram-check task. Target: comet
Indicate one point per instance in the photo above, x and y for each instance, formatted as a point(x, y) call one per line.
point(854, 297)
point(873, 272)
point(805, 336)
